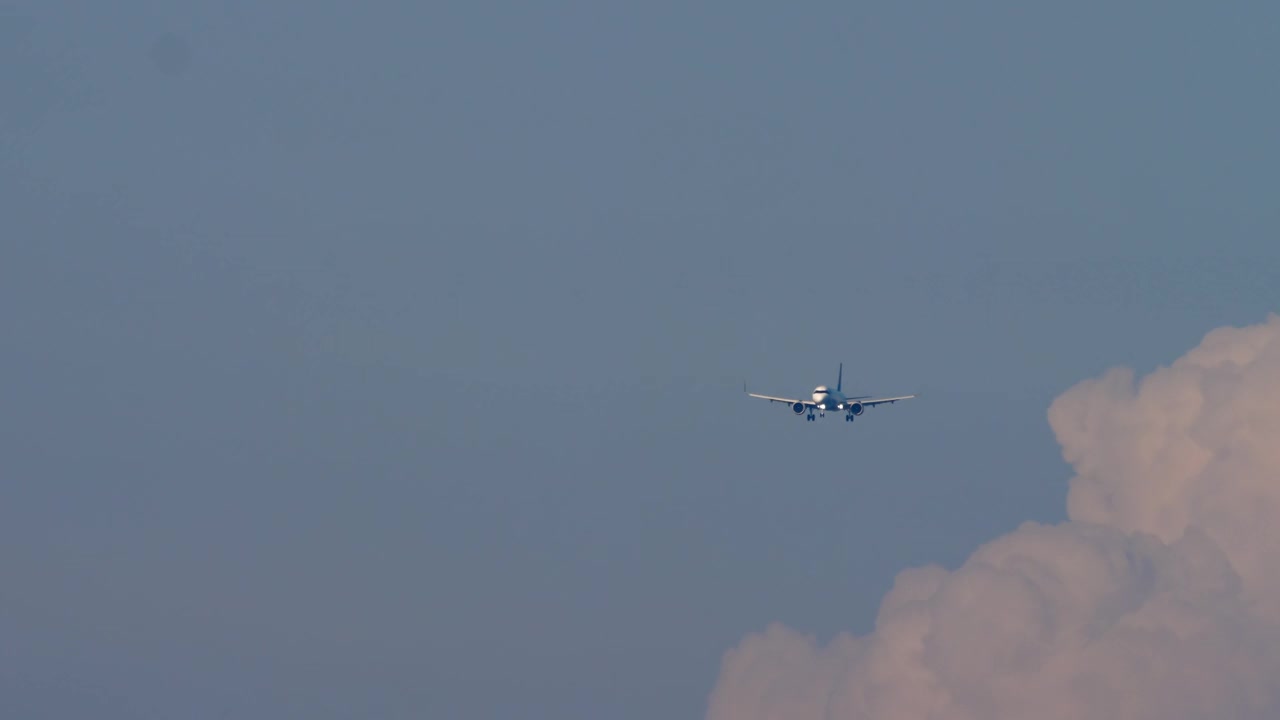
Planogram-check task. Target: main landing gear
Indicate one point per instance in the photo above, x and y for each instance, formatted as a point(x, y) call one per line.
point(848, 417)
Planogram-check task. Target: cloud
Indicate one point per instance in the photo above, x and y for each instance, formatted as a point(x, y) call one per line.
point(1155, 600)
point(1193, 445)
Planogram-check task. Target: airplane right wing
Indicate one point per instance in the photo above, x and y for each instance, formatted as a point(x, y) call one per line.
point(786, 401)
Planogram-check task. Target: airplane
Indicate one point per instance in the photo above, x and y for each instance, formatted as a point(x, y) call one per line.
point(825, 399)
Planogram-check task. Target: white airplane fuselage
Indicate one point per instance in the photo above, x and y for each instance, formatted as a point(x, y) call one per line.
point(827, 399)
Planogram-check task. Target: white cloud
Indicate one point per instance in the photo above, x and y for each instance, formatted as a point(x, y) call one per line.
point(1155, 600)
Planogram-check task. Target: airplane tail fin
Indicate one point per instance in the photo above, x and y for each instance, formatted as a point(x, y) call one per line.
point(840, 379)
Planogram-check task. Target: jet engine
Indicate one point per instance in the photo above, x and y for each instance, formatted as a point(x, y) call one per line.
point(798, 408)
point(856, 408)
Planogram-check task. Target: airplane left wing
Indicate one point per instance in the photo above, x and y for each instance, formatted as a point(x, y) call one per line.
point(872, 402)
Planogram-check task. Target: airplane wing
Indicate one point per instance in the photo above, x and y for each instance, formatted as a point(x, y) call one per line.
point(788, 401)
point(872, 402)
point(770, 398)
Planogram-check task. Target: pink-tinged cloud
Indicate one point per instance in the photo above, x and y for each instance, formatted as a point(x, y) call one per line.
point(1156, 600)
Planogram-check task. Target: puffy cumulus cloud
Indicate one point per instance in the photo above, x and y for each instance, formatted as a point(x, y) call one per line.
point(1193, 445)
point(1153, 601)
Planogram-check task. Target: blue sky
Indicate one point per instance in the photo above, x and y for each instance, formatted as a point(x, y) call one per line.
point(387, 361)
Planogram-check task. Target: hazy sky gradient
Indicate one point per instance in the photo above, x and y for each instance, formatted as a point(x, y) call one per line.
point(387, 361)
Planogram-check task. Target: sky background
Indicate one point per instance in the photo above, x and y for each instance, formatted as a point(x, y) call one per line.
point(386, 361)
